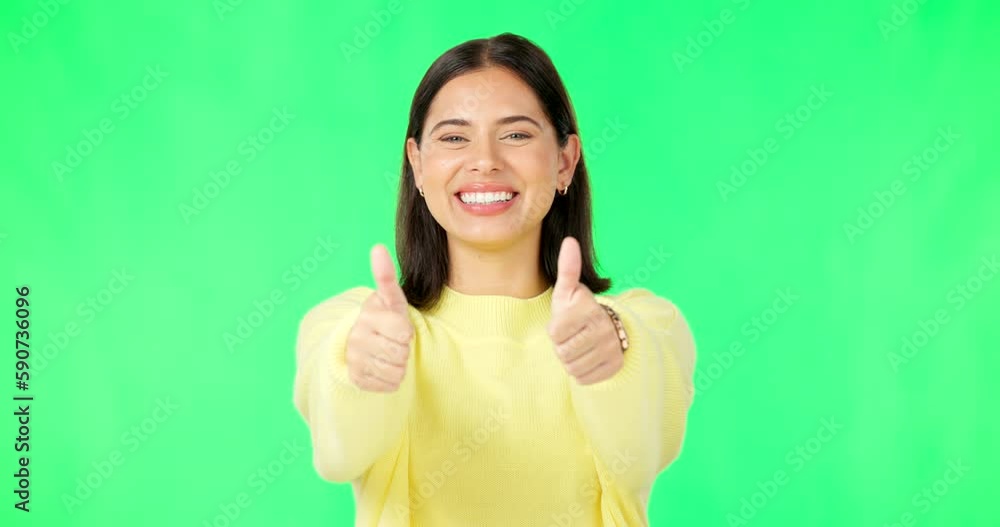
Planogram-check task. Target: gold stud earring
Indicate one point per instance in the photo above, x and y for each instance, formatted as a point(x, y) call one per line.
point(421, 189)
point(564, 190)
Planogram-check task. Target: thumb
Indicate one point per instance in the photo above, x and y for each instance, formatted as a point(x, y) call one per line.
point(384, 273)
point(568, 270)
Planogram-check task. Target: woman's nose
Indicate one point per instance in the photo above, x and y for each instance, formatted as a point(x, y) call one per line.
point(484, 157)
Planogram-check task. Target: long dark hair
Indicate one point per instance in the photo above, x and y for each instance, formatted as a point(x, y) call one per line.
point(421, 243)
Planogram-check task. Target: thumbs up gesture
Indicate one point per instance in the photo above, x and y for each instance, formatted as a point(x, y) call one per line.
point(584, 336)
point(378, 345)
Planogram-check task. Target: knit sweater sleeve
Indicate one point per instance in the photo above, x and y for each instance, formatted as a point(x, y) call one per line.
point(635, 421)
point(350, 428)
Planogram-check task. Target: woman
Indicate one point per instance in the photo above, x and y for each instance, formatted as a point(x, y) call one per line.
point(492, 385)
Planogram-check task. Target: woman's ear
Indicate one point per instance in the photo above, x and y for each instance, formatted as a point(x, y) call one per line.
point(413, 156)
point(569, 156)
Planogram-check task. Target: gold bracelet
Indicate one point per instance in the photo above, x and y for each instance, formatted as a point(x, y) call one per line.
point(619, 327)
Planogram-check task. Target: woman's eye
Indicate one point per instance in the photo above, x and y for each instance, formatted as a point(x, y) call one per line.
point(519, 136)
point(449, 139)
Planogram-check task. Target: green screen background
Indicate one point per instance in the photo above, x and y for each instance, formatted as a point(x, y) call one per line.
point(800, 319)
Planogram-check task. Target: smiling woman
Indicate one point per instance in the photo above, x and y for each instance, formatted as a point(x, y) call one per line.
point(495, 383)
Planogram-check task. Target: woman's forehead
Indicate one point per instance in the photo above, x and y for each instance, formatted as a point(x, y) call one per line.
point(484, 96)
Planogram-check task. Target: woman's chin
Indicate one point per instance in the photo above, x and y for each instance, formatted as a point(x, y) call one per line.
point(485, 237)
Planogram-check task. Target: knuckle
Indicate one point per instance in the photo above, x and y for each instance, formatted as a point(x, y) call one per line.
point(355, 378)
point(402, 354)
point(404, 329)
point(377, 352)
point(389, 351)
point(378, 364)
point(568, 351)
point(380, 360)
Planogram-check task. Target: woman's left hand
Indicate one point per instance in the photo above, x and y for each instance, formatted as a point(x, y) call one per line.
point(586, 340)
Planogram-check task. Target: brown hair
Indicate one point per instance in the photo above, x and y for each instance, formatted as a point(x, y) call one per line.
point(421, 243)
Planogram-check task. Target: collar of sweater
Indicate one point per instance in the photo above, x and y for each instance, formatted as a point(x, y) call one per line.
point(492, 314)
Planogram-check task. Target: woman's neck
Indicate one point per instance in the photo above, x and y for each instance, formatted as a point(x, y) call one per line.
point(512, 270)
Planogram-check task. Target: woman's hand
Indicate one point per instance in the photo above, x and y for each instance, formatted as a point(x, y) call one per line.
point(584, 336)
point(378, 345)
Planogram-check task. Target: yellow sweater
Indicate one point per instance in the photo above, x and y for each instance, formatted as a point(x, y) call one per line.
point(487, 428)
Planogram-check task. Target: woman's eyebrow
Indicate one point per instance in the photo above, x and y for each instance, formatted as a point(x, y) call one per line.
point(516, 118)
point(504, 120)
point(456, 122)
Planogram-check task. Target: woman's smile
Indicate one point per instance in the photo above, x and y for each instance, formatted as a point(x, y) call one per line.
point(486, 202)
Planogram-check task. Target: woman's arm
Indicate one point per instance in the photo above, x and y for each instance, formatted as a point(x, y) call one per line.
point(636, 419)
point(350, 428)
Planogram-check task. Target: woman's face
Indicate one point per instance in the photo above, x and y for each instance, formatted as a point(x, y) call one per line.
point(489, 162)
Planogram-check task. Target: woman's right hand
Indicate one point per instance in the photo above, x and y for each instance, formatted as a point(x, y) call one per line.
point(378, 345)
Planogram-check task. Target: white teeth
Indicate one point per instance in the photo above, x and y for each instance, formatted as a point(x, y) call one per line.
point(485, 197)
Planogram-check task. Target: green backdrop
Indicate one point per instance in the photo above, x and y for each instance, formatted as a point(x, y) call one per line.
point(816, 186)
